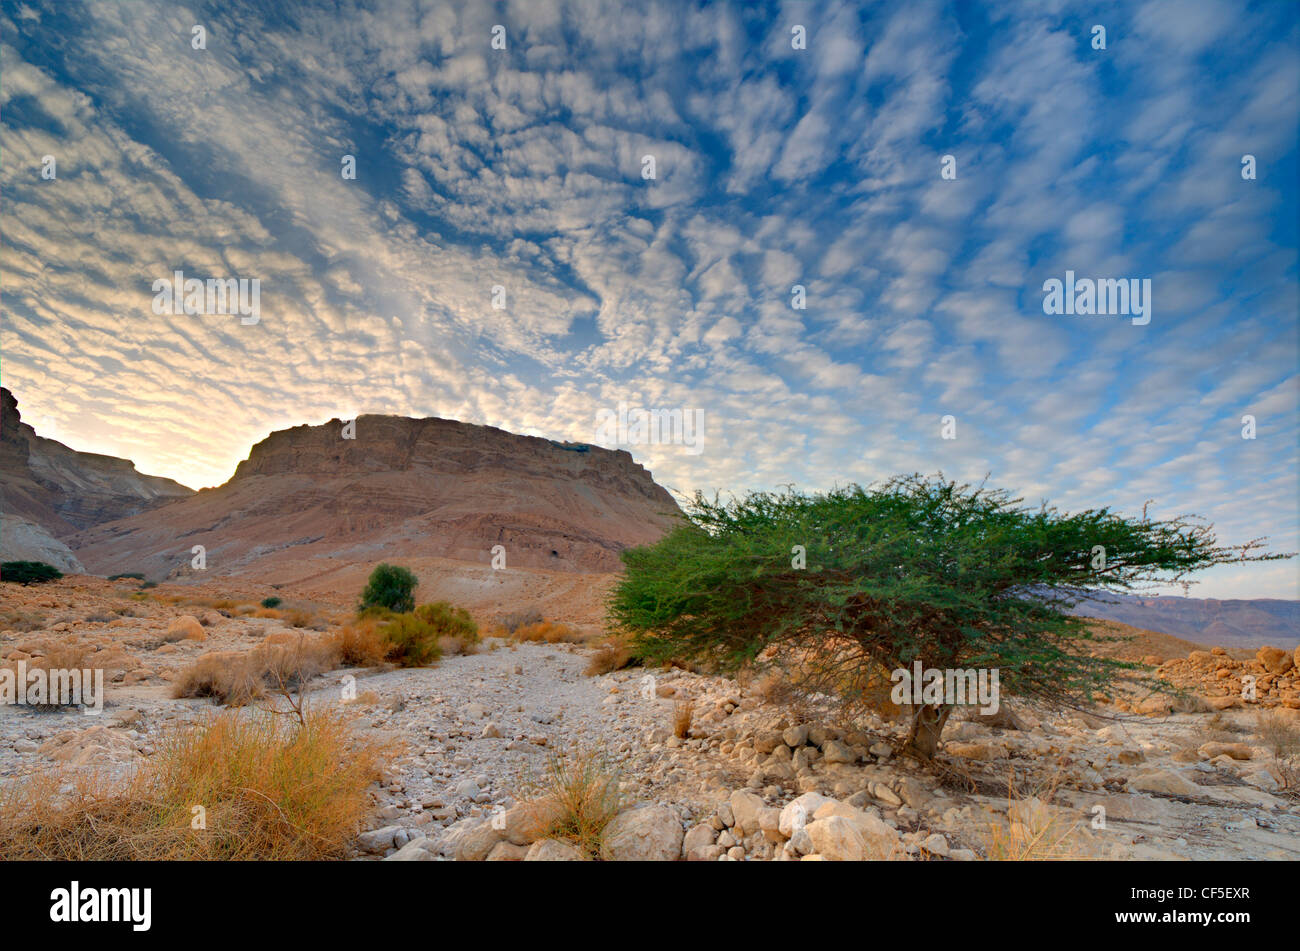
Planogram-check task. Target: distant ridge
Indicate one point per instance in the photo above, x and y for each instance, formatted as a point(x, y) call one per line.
point(1224, 623)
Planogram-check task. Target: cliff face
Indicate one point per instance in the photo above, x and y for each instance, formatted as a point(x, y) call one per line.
point(401, 487)
point(62, 491)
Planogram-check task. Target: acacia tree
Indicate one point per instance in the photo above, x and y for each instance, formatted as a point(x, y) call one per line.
point(915, 569)
point(391, 587)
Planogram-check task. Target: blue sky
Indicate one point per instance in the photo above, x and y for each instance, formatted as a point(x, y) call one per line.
point(775, 166)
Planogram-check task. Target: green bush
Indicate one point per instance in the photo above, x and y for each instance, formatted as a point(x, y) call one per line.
point(28, 572)
point(412, 641)
point(392, 587)
point(857, 583)
point(271, 602)
point(448, 620)
point(133, 575)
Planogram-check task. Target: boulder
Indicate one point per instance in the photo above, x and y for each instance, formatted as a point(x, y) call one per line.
point(1164, 782)
point(1275, 660)
point(880, 839)
point(837, 840)
point(185, 628)
point(469, 840)
point(646, 833)
point(378, 840)
point(552, 850)
point(422, 849)
point(698, 841)
point(835, 751)
point(745, 806)
point(799, 812)
point(1234, 750)
point(507, 852)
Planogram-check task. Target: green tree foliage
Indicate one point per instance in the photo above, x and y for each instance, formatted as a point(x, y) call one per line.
point(28, 572)
point(915, 569)
point(271, 602)
point(391, 587)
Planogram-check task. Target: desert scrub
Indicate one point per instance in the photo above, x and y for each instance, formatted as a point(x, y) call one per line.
point(412, 642)
point(517, 619)
point(239, 679)
point(267, 789)
point(361, 644)
point(576, 798)
point(547, 631)
point(611, 657)
point(272, 602)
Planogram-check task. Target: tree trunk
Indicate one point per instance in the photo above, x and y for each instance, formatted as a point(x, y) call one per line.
point(927, 726)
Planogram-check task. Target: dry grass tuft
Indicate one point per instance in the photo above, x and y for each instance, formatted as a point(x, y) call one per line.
point(361, 644)
point(683, 714)
point(236, 788)
point(575, 800)
point(608, 659)
point(547, 631)
point(1280, 735)
point(1034, 831)
point(238, 679)
point(517, 619)
point(21, 621)
point(61, 657)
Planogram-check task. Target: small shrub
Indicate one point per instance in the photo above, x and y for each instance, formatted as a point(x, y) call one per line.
point(547, 631)
point(512, 622)
point(575, 800)
point(1279, 734)
point(149, 584)
point(22, 621)
point(609, 658)
point(62, 657)
point(134, 575)
point(361, 644)
point(271, 602)
point(237, 680)
point(392, 587)
point(412, 642)
point(28, 572)
point(300, 618)
point(449, 620)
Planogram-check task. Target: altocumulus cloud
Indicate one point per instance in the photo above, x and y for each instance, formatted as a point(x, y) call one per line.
point(522, 169)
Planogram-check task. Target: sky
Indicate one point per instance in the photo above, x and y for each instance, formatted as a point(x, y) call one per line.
point(502, 255)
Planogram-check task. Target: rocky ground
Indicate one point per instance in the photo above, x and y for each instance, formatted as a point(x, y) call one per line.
point(752, 780)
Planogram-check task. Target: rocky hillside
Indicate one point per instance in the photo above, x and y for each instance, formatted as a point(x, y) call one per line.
point(309, 499)
point(49, 492)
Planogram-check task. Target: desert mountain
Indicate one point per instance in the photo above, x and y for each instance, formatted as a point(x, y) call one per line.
point(309, 500)
point(49, 492)
point(1227, 623)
